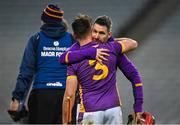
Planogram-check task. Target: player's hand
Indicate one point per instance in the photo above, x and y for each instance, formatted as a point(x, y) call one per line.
point(137, 118)
point(101, 55)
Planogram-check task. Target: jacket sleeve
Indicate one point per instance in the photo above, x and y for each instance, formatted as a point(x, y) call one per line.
point(132, 74)
point(26, 71)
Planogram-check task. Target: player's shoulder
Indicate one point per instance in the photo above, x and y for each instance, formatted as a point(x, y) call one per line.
point(75, 46)
point(112, 46)
point(108, 44)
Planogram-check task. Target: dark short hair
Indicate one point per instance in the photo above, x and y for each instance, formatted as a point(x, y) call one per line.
point(104, 21)
point(81, 26)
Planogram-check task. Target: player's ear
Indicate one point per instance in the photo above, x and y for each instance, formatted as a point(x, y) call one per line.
point(109, 34)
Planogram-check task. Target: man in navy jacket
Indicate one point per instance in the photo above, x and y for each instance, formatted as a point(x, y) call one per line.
point(40, 66)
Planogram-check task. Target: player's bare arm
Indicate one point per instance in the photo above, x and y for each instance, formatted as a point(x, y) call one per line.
point(69, 98)
point(127, 44)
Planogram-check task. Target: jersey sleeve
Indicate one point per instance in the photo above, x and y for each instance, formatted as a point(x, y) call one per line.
point(63, 57)
point(132, 74)
point(71, 70)
point(128, 69)
point(119, 47)
point(75, 56)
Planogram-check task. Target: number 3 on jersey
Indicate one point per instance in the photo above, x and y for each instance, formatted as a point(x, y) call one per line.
point(98, 66)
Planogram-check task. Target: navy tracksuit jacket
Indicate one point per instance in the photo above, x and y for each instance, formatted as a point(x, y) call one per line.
point(40, 64)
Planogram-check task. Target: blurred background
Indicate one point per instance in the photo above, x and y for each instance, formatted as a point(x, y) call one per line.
point(155, 24)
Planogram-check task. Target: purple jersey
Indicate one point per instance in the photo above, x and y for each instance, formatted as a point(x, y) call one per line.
point(98, 89)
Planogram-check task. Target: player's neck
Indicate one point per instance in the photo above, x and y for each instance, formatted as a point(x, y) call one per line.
point(85, 41)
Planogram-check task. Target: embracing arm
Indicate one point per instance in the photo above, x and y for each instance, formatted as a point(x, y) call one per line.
point(74, 56)
point(132, 74)
point(127, 44)
point(70, 57)
point(69, 98)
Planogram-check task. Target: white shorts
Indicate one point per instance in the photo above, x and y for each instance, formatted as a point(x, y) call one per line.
point(109, 116)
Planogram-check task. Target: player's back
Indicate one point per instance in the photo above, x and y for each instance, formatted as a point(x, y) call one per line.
point(98, 82)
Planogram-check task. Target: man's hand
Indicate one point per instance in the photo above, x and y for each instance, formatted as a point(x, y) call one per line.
point(137, 118)
point(13, 109)
point(100, 55)
point(14, 105)
point(17, 111)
